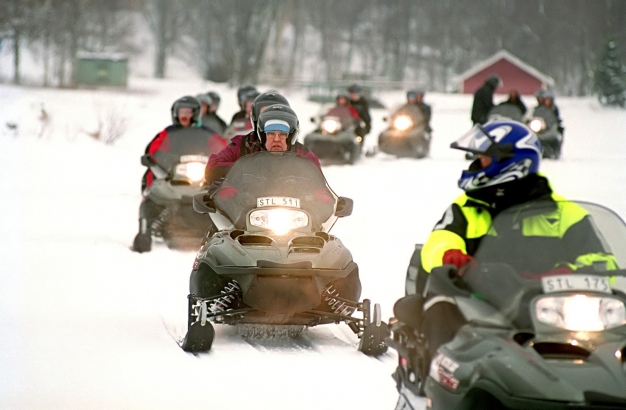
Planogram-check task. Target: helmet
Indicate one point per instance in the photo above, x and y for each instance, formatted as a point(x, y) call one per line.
point(514, 149)
point(494, 80)
point(242, 91)
point(215, 97)
point(187, 102)
point(283, 115)
point(354, 88)
point(264, 100)
point(342, 95)
point(414, 93)
point(204, 99)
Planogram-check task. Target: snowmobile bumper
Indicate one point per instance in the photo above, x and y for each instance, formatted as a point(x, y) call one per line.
point(402, 143)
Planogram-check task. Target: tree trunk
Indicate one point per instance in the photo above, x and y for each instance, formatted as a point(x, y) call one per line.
point(17, 38)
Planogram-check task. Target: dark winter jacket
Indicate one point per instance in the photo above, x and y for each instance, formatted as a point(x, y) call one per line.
point(362, 107)
point(213, 121)
point(161, 143)
point(239, 146)
point(426, 110)
point(561, 235)
point(483, 103)
point(238, 116)
point(518, 103)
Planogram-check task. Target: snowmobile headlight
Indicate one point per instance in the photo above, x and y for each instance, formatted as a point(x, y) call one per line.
point(537, 124)
point(192, 170)
point(279, 220)
point(330, 126)
point(581, 312)
point(402, 122)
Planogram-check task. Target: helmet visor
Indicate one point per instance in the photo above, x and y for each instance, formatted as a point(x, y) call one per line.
point(480, 142)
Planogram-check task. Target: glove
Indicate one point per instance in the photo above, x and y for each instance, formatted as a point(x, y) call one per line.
point(459, 259)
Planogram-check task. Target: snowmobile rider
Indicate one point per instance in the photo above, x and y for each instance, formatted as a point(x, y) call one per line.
point(211, 119)
point(548, 101)
point(258, 139)
point(516, 99)
point(416, 97)
point(362, 107)
point(185, 113)
point(241, 99)
point(483, 99)
point(512, 154)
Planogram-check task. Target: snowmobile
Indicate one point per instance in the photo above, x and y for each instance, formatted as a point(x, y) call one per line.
point(179, 175)
point(506, 110)
point(335, 136)
point(407, 134)
point(272, 267)
point(544, 123)
point(531, 341)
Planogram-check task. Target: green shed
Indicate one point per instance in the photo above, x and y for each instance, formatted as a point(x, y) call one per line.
point(108, 69)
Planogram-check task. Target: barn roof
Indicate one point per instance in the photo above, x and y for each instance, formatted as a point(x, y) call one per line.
point(503, 54)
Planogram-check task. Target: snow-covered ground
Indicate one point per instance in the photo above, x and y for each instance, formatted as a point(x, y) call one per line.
point(85, 323)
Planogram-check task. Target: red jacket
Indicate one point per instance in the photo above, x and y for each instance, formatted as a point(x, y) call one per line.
point(239, 146)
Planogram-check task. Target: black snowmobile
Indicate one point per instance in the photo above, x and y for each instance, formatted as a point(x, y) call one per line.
point(531, 341)
point(335, 136)
point(273, 268)
point(544, 123)
point(407, 134)
point(179, 175)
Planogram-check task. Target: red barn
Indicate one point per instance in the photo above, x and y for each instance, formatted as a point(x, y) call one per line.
point(515, 74)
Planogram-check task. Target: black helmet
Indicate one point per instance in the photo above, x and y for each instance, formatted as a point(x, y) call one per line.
point(494, 80)
point(242, 91)
point(279, 115)
point(186, 102)
point(204, 99)
point(354, 88)
point(265, 99)
point(215, 97)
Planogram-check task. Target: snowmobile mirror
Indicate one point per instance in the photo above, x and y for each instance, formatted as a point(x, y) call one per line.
point(344, 207)
point(313, 120)
point(440, 282)
point(384, 119)
point(201, 206)
point(146, 160)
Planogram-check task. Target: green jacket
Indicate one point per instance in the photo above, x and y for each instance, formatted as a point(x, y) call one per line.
point(533, 241)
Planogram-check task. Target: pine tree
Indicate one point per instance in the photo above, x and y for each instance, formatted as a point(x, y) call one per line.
point(609, 77)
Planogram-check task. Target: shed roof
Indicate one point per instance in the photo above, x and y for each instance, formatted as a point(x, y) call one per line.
point(503, 54)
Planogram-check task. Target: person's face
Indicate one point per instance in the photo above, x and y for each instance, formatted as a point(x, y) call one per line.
point(204, 109)
point(213, 107)
point(485, 161)
point(184, 116)
point(342, 101)
point(354, 96)
point(249, 107)
point(411, 99)
point(276, 141)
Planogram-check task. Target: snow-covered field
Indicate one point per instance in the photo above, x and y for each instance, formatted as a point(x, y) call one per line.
point(85, 323)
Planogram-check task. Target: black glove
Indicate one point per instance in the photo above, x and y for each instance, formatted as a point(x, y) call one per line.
point(215, 185)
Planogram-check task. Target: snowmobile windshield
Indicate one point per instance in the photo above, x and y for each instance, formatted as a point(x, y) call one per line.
point(412, 111)
point(542, 239)
point(546, 114)
point(281, 179)
point(183, 142)
point(506, 110)
point(342, 114)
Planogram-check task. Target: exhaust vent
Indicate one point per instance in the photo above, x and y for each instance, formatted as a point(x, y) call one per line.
point(561, 351)
point(254, 240)
point(306, 244)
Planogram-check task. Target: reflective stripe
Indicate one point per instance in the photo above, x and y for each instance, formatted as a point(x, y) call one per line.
point(437, 244)
point(600, 261)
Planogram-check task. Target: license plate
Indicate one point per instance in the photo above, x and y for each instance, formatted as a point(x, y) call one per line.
point(194, 158)
point(277, 201)
point(563, 283)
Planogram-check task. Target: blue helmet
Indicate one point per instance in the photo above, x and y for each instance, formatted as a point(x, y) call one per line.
point(514, 149)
